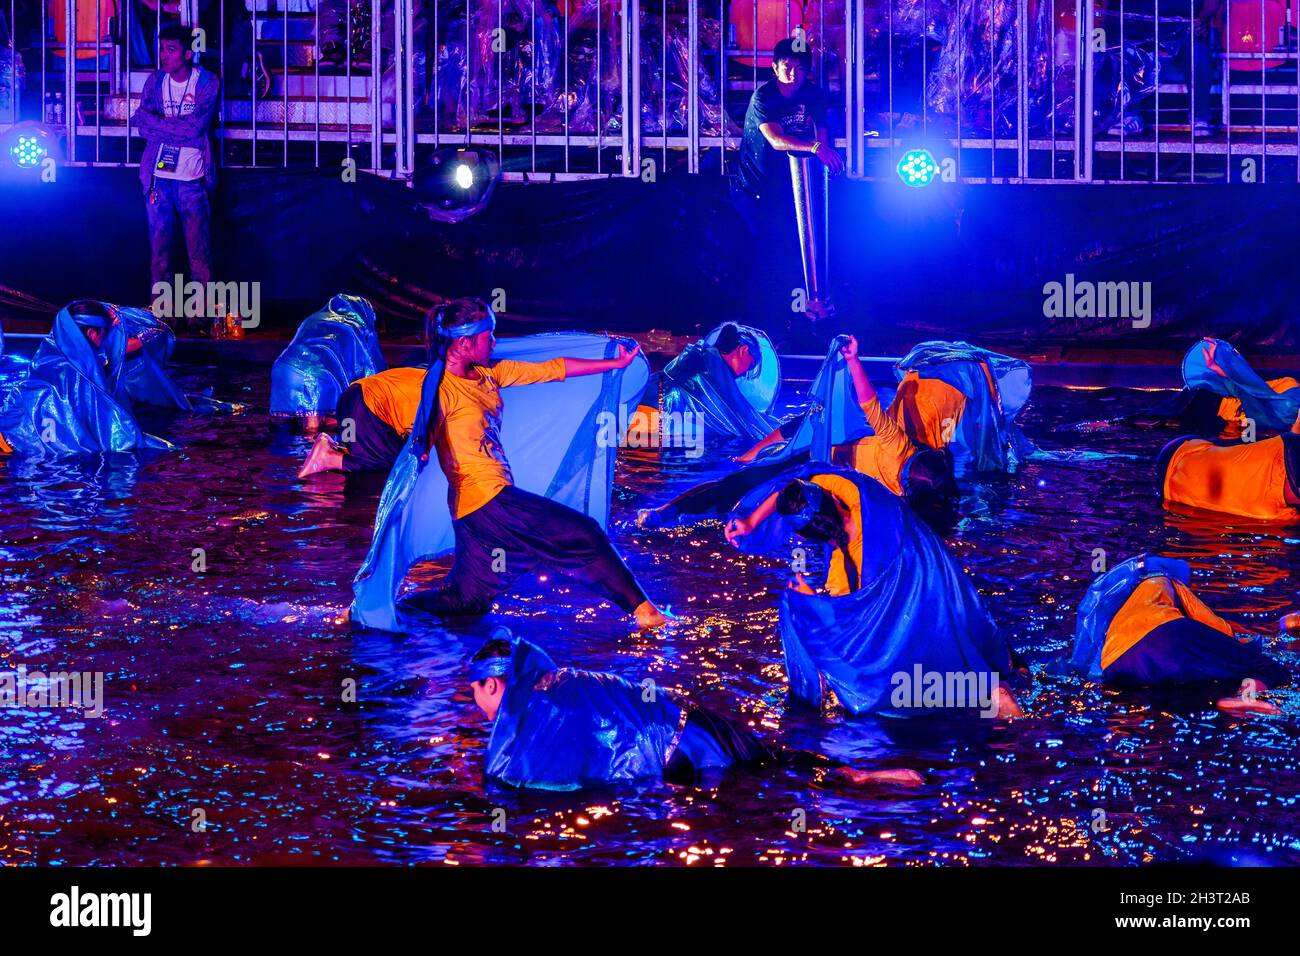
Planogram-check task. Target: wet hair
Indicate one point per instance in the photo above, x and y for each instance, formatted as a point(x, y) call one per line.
point(784, 50)
point(178, 32)
point(496, 647)
point(930, 488)
point(826, 524)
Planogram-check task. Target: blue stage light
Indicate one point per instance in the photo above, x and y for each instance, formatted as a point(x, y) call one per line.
point(456, 182)
point(917, 168)
point(464, 176)
point(27, 151)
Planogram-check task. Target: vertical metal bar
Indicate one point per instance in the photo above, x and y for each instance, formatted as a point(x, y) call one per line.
point(252, 68)
point(501, 79)
point(993, 86)
point(600, 127)
point(568, 103)
point(70, 78)
point(221, 46)
point(99, 37)
point(1051, 80)
point(284, 80)
point(315, 61)
point(693, 87)
point(376, 90)
point(1191, 82)
point(469, 72)
point(13, 66)
point(625, 135)
point(404, 107)
point(632, 78)
point(1156, 155)
point(663, 85)
point(1083, 90)
point(1022, 86)
point(1123, 130)
point(437, 97)
point(1227, 85)
point(1263, 102)
point(925, 104)
point(722, 86)
point(891, 79)
point(961, 67)
point(532, 102)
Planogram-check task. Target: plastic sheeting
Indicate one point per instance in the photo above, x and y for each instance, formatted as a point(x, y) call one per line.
point(1106, 595)
point(1268, 408)
point(75, 399)
point(834, 416)
point(564, 729)
point(915, 607)
point(699, 381)
point(549, 435)
point(331, 349)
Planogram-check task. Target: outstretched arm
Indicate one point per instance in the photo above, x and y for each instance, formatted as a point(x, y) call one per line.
point(737, 528)
point(576, 366)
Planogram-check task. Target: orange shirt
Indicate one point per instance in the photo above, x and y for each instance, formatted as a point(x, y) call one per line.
point(928, 410)
point(882, 455)
point(1230, 408)
point(1248, 479)
point(468, 433)
point(1157, 600)
point(837, 575)
point(394, 396)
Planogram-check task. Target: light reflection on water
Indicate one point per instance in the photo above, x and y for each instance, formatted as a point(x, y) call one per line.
point(225, 690)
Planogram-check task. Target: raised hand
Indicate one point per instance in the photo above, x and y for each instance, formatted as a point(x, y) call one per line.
point(737, 528)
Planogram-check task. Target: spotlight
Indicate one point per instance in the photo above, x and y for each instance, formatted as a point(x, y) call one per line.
point(917, 168)
point(28, 145)
point(456, 183)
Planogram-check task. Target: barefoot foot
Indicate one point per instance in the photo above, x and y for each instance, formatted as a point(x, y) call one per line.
point(648, 617)
point(868, 778)
point(325, 456)
point(1248, 700)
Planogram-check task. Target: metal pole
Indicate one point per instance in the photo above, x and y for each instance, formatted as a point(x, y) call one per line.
point(692, 86)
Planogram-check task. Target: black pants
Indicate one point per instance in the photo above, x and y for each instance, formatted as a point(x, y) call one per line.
point(375, 444)
point(516, 531)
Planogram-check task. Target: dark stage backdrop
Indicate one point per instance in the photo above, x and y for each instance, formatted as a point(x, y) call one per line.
point(953, 261)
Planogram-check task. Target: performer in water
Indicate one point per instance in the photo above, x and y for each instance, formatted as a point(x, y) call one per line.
point(562, 728)
point(500, 530)
point(895, 601)
point(875, 445)
point(717, 380)
point(375, 415)
point(1259, 480)
point(1140, 625)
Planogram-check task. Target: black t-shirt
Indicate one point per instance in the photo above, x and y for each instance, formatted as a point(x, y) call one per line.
point(761, 167)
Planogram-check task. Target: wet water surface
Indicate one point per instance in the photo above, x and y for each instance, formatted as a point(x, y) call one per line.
point(208, 584)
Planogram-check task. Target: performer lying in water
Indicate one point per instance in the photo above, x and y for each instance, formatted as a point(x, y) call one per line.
point(922, 475)
point(561, 728)
point(1257, 479)
point(78, 396)
point(896, 602)
point(716, 378)
point(500, 531)
point(1140, 625)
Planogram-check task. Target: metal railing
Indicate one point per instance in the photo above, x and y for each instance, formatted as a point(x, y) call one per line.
point(996, 90)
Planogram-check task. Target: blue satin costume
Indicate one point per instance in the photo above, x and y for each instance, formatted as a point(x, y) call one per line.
point(1270, 409)
point(699, 380)
point(987, 438)
point(77, 397)
point(914, 606)
point(1176, 651)
point(550, 435)
point(331, 349)
point(561, 728)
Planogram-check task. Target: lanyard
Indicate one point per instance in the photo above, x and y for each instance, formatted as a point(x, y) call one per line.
point(177, 104)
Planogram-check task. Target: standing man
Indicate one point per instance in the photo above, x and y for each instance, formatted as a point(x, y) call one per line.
point(786, 114)
point(177, 169)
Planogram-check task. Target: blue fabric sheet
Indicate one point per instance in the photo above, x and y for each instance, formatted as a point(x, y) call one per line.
point(331, 349)
point(699, 380)
point(76, 397)
point(987, 438)
point(557, 437)
point(1269, 409)
point(834, 416)
point(565, 729)
point(1105, 596)
point(914, 606)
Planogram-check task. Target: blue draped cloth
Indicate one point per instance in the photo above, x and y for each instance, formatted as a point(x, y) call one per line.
point(1270, 409)
point(76, 397)
point(834, 416)
point(558, 437)
point(699, 380)
point(914, 606)
point(987, 438)
point(1106, 595)
point(565, 729)
point(145, 376)
point(331, 349)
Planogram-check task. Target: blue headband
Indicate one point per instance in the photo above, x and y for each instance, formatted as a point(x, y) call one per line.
point(488, 667)
point(466, 329)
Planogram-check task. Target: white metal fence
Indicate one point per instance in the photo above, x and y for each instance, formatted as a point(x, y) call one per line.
point(996, 90)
